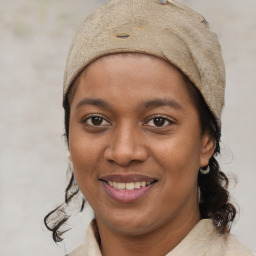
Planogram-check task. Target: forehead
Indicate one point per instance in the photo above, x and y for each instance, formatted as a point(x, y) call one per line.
point(133, 66)
point(141, 75)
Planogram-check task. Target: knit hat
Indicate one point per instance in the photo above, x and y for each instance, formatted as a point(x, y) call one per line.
point(163, 28)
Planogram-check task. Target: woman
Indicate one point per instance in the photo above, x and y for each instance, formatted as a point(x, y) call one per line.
point(143, 94)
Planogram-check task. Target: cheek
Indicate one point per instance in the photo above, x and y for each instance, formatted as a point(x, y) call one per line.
point(179, 157)
point(84, 157)
point(83, 160)
point(82, 152)
point(180, 152)
point(84, 149)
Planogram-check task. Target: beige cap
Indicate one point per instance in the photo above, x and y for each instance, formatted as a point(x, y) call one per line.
point(163, 28)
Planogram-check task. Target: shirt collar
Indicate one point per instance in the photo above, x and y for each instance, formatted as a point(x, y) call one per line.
point(202, 233)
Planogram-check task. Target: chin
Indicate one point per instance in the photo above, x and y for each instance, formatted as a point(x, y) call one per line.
point(132, 230)
point(130, 225)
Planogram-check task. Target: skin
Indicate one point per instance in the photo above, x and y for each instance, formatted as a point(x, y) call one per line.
point(129, 140)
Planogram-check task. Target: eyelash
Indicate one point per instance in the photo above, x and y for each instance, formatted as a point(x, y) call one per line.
point(107, 123)
point(87, 119)
point(164, 119)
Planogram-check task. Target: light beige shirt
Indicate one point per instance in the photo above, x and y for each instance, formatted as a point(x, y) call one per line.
point(202, 240)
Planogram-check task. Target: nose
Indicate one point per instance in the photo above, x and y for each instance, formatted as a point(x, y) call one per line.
point(126, 146)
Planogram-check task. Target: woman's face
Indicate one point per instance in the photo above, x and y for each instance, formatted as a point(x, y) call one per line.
point(136, 144)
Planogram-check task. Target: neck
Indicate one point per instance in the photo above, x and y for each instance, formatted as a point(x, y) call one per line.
point(156, 243)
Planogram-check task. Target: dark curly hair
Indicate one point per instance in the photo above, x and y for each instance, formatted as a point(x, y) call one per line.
point(214, 197)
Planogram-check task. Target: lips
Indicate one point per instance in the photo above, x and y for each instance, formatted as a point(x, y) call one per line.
point(127, 188)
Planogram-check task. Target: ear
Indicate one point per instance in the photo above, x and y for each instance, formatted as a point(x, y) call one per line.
point(207, 150)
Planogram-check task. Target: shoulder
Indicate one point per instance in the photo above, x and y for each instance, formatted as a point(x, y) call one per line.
point(235, 248)
point(79, 251)
point(91, 244)
point(226, 245)
point(205, 240)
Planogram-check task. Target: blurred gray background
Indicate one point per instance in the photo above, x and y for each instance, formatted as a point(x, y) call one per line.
point(34, 40)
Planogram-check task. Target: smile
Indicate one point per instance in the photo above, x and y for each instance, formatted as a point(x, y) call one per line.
point(128, 188)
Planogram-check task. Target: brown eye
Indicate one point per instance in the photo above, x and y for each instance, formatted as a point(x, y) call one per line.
point(159, 122)
point(96, 121)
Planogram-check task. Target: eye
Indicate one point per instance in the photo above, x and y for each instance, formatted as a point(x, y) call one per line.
point(159, 121)
point(96, 121)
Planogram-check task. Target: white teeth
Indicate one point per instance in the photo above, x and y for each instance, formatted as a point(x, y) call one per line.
point(115, 185)
point(128, 186)
point(121, 185)
point(137, 184)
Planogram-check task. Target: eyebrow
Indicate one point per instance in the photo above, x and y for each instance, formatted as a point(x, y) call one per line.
point(163, 102)
point(148, 104)
point(94, 102)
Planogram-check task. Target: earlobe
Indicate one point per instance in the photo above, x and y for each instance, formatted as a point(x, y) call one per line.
point(208, 147)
